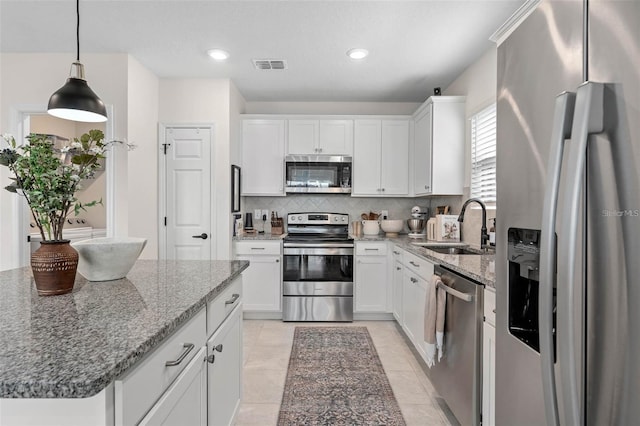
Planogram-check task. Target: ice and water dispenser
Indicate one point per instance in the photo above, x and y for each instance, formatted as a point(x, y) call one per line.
point(523, 252)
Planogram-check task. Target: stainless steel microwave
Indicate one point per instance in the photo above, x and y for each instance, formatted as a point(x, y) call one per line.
point(318, 173)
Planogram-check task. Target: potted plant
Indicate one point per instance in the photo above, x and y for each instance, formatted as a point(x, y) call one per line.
point(48, 179)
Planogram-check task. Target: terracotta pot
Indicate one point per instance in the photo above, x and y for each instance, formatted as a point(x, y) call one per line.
point(54, 267)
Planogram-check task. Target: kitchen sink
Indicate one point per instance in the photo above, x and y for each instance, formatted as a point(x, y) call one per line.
point(454, 250)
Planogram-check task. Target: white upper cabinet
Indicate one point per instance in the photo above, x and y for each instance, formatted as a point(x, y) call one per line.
point(381, 157)
point(439, 140)
point(263, 142)
point(327, 137)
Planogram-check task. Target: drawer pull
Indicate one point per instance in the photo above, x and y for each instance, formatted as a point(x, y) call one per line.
point(257, 248)
point(233, 299)
point(370, 249)
point(396, 252)
point(188, 347)
point(413, 280)
point(414, 264)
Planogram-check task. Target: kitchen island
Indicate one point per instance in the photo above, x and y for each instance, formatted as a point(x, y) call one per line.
point(73, 347)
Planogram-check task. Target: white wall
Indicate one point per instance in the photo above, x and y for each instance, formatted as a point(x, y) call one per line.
point(479, 84)
point(143, 97)
point(27, 80)
point(200, 101)
point(354, 108)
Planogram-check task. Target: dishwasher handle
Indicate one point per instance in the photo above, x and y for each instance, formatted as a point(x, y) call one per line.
point(455, 293)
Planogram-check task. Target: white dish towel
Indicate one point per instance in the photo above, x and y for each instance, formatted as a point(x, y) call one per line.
point(434, 315)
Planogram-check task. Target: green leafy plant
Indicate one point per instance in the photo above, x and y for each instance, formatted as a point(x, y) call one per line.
point(48, 178)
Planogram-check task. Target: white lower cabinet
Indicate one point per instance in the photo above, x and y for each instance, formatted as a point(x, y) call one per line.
point(489, 359)
point(371, 281)
point(397, 276)
point(414, 293)
point(224, 361)
point(262, 280)
point(417, 273)
point(185, 402)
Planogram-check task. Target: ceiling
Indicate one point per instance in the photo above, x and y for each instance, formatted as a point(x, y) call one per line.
point(414, 45)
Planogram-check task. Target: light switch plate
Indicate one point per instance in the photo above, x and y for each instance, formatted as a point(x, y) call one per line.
point(256, 214)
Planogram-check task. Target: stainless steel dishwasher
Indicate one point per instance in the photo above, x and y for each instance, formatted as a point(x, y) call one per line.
point(457, 377)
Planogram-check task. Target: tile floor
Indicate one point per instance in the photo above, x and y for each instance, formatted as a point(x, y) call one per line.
point(267, 346)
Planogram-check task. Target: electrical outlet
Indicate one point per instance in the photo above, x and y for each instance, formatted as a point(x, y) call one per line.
point(265, 214)
point(256, 214)
point(385, 214)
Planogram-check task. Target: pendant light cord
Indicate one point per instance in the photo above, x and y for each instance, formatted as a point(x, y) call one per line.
point(78, 30)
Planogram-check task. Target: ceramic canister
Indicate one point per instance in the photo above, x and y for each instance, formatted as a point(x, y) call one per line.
point(370, 227)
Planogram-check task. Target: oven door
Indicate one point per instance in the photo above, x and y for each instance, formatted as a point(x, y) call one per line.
point(318, 264)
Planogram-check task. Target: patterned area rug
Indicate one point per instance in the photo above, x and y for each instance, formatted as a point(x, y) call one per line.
point(335, 378)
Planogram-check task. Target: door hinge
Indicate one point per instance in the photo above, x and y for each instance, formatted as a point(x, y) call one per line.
point(165, 221)
point(28, 238)
point(164, 147)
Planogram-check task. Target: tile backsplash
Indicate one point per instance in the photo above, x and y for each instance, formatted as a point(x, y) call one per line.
point(399, 208)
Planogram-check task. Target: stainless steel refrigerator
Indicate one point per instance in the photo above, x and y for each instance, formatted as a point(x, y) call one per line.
point(568, 225)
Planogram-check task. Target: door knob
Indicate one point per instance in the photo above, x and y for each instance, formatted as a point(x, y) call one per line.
point(203, 236)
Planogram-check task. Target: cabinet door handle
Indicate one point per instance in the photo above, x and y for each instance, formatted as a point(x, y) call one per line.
point(398, 268)
point(187, 347)
point(211, 358)
point(413, 280)
point(277, 260)
point(414, 264)
point(382, 189)
point(218, 348)
point(396, 252)
point(233, 299)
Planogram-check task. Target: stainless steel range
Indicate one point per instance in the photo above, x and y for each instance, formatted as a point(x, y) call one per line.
point(317, 268)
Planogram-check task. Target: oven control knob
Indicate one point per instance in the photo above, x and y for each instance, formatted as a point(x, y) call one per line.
point(344, 219)
point(299, 217)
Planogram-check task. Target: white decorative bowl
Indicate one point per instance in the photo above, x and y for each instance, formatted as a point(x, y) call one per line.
point(106, 259)
point(392, 226)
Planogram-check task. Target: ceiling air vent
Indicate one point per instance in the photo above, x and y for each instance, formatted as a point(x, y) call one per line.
point(270, 64)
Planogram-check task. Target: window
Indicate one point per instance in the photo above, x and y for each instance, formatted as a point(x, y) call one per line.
point(483, 155)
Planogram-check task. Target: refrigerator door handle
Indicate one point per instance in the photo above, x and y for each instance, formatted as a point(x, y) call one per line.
point(562, 121)
point(587, 119)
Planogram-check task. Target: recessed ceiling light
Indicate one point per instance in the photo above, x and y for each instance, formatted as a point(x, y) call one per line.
point(218, 54)
point(357, 53)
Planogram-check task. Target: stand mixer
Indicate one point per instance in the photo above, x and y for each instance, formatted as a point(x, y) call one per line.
point(417, 222)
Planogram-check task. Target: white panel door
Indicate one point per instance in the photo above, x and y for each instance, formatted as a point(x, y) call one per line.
point(336, 137)
point(371, 284)
point(188, 176)
point(263, 157)
point(366, 157)
point(395, 157)
point(225, 370)
point(303, 137)
point(185, 402)
point(422, 153)
point(261, 283)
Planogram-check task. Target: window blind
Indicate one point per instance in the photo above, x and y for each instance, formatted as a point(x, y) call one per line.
point(483, 154)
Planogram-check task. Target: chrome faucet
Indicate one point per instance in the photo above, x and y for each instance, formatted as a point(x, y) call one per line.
point(484, 236)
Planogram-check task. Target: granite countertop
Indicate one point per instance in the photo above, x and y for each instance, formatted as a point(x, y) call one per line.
point(480, 268)
point(258, 237)
point(74, 345)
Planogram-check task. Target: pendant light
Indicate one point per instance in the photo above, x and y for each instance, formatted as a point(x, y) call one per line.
point(75, 100)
